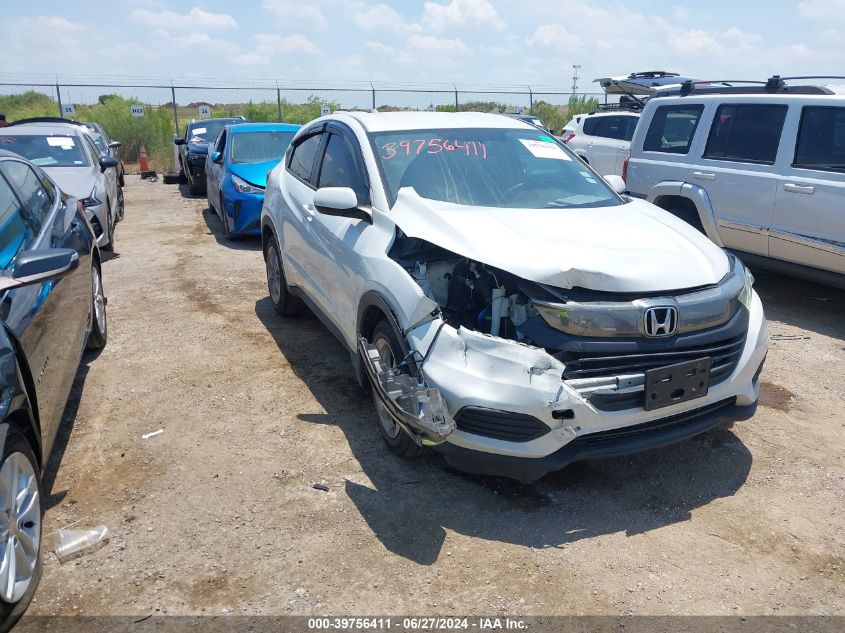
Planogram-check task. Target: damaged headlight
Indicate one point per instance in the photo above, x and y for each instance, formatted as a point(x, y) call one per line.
point(747, 291)
point(92, 200)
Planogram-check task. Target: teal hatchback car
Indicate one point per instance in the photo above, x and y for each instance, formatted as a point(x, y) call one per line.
point(236, 172)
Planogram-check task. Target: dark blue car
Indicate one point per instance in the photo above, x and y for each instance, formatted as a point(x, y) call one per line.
point(51, 307)
point(236, 172)
point(193, 149)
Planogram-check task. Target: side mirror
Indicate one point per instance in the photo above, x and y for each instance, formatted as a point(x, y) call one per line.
point(33, 267)
point(115, 144)
point(616, 183)
point(341, 202)
point(178, 141)
point(107, 162)
point(216, 157)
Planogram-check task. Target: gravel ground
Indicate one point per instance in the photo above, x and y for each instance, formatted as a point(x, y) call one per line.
point(218, 514)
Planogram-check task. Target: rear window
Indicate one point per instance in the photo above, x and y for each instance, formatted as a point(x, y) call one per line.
point(821, 139)
point(47, 150)
point(672, 128)
point(748, 133)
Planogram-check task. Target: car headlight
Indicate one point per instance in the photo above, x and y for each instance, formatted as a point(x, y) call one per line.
point(91, 200)
point(745, 295)
point(244, 187)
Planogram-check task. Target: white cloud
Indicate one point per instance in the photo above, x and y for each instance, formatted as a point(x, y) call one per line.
point(822, 9)
point(196, 19)
point(303, 14)
point(379, 48)
point(459, 13)
point(438, 45)
point(378, 16)
point(268, 47)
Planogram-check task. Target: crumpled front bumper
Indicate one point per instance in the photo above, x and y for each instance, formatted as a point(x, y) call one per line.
point(476, 370)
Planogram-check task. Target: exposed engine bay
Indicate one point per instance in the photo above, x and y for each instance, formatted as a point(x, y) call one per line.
point(470, 294)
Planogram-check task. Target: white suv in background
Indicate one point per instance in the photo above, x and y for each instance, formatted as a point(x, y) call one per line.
point(759, 170)
point(602, 139)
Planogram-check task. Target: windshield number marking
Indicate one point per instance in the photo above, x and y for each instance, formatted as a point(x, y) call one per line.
point(434, 146)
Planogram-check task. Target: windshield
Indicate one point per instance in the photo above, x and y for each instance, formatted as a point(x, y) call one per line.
point(46, 151)
point(508, 168)
point(206, 130)
point(259, 147)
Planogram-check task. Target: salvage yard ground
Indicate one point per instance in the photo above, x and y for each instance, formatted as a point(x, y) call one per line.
point(218, 514)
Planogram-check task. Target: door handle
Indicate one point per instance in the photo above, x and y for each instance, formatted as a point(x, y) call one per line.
point(793, 188)
point(703, 175)
point(309, 211)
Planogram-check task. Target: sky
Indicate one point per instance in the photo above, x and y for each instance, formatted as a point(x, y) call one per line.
point(468, 42)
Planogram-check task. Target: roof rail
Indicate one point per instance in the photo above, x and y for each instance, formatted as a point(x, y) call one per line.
point(774, 84)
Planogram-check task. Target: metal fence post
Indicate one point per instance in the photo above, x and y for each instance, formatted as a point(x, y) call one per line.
point(457, 106)
point(530, 100)
point(373, 88)
point(175, 114)
point(279, 101)
point(59, 99)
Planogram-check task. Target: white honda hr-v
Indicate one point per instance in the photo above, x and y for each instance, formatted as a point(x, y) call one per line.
point(506, 305)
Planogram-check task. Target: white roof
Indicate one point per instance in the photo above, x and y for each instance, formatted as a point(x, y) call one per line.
point(386, 121)
point(42, 129)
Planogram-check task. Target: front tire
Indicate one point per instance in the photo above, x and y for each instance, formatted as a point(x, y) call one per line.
point(284, 303)
point(121, 204)
point(109, 230)
point(22, 511)
point(397, 440)
point(226, 232)
point(99, 333)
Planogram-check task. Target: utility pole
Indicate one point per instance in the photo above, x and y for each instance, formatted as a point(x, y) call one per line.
point(575, 69)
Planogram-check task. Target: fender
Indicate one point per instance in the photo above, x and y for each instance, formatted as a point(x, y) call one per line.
point(698, 197)
point(267, 223)
point(370, 300)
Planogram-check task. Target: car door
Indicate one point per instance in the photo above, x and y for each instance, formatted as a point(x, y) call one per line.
point(106, 180)
point(623, 146)
point(48, 319)
point(808, 226)
point(602, 147)
point(337, 266)
point(294, 225)
point(214, 171)
point(737, 169)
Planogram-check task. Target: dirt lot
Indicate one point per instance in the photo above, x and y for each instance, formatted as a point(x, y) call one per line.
point(218, 513)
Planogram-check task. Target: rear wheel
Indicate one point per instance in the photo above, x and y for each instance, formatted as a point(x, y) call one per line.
point(99, 324)
point(389, 349)
point(284, 303)
point(21, 512)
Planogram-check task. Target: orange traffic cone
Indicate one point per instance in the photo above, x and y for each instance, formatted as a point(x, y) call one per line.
point(146, 172)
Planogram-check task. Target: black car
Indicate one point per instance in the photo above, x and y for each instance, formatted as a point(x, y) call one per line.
point(51, 308)
point(193, 149)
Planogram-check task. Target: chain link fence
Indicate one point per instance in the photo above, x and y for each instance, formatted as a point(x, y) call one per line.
point(150, 115)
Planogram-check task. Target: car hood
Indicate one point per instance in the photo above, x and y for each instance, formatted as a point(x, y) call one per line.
point(254, 173)
point(198, 148)
point(635, 247)
point(74, 181)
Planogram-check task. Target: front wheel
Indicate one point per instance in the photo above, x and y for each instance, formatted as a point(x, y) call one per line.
point(121, 204)
point(284, 303)
point(21, 512)
point(99, 333)
point(226, 232)
point(397, 440)
point(109, 231)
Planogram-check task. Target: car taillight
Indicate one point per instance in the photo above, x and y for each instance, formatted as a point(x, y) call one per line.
point(625, 168)
point(569, 137)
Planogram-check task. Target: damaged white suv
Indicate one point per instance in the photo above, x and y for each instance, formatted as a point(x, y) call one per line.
point(507, 306)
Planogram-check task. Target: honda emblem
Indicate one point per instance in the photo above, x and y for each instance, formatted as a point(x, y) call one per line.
point(661, 321)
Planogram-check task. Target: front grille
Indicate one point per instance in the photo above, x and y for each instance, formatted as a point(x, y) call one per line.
point(679, 419)
point(724, 357)
point(501, 425)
